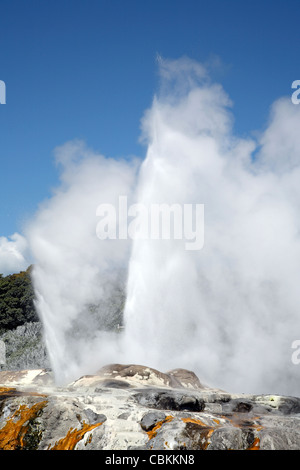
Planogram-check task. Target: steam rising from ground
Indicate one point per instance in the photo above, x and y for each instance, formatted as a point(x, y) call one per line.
point(74, 272)
point(230, 311)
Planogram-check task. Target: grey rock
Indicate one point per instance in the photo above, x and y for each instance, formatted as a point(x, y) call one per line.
point(186, 378)
point(242, 406)
point(93, 417)
point(139, 374)
point(124, 415)
point(115, 384)
point(289, 405)
point(149, 420)
point(175, 400)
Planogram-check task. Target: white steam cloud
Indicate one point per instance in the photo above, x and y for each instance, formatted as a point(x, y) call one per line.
point(73, 270)
point(230, 311)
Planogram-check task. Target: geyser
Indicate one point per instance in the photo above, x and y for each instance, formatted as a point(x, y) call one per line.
point(228, 311)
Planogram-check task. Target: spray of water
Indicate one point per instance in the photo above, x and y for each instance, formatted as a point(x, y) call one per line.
point(75, 276)
point(228, 311)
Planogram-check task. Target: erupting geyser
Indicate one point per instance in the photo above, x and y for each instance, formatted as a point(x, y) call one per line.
point(228, 311)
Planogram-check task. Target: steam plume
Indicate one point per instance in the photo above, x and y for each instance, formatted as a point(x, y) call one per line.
point(228, 311)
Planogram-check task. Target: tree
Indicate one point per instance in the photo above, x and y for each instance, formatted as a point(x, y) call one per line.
point(16, 300)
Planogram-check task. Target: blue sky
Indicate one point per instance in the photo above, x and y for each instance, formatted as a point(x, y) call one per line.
point(87, 69)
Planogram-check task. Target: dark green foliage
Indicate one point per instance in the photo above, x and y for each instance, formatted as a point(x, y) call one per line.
point(16, 300)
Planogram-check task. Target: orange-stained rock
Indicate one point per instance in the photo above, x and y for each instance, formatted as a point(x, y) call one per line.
point(73, 437)
point(12, 435)
point(153, 432)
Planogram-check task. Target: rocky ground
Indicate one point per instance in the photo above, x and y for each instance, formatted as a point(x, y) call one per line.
point(24, 348)
point(132, 407)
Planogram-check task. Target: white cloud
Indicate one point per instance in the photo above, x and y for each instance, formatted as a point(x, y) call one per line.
point(13, 254)
point(281, 140)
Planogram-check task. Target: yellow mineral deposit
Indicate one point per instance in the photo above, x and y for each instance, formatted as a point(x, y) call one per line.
point(74, 436)
point(153, 431)
point(13, 433)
